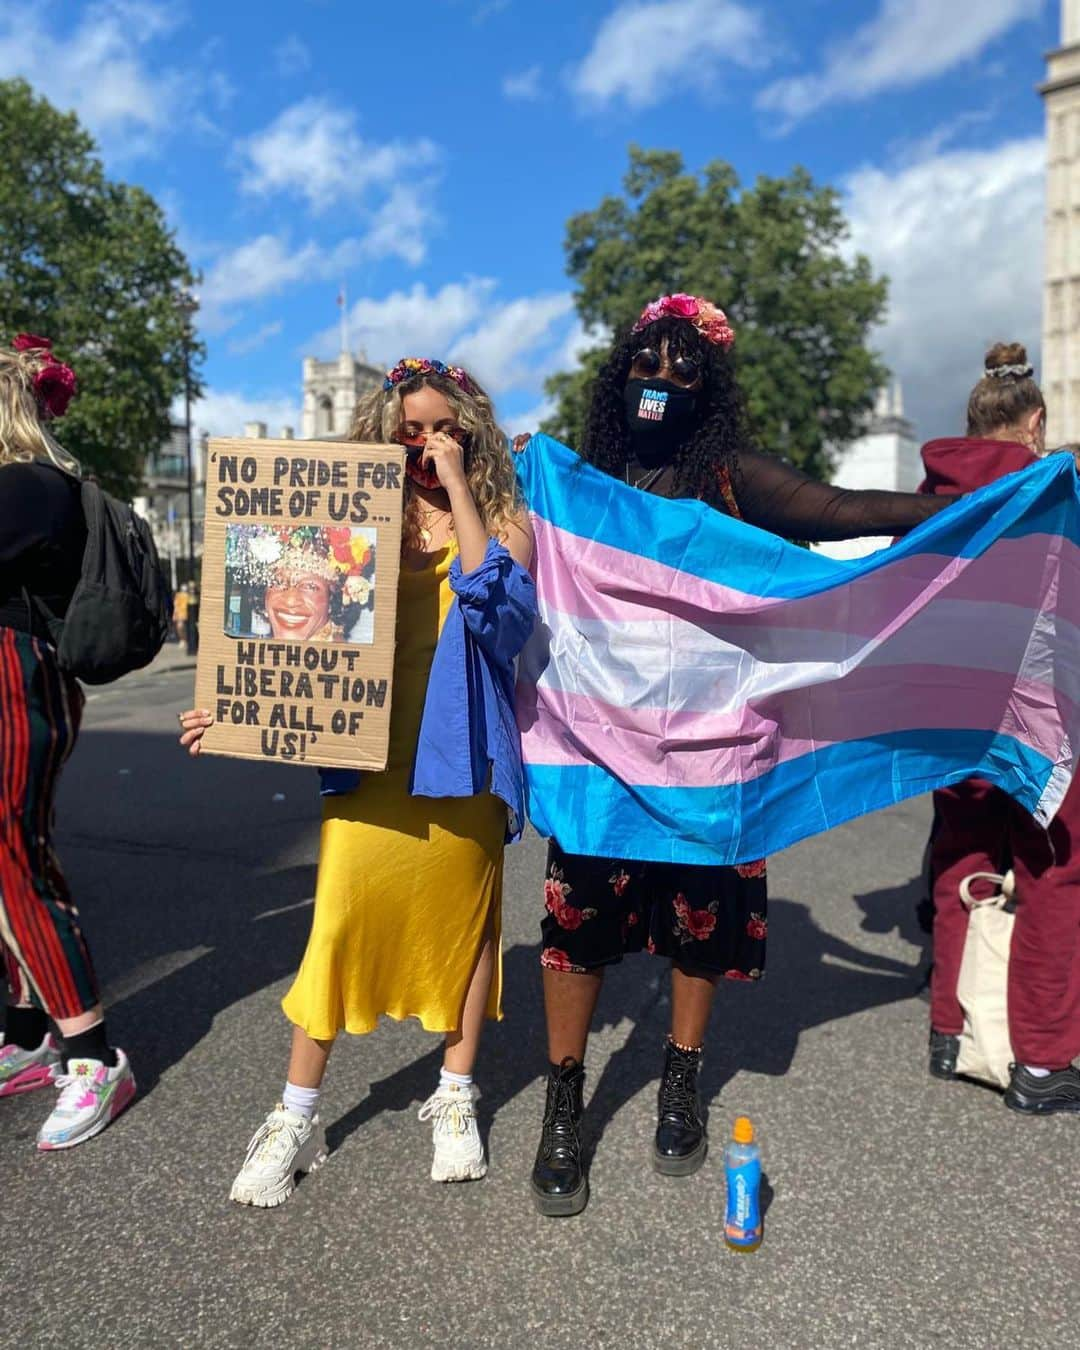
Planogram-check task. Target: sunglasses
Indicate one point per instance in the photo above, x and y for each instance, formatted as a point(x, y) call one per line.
point(647, 363)
point(413, 436)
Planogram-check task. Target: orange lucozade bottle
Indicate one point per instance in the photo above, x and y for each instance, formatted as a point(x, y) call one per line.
point(742, 1170)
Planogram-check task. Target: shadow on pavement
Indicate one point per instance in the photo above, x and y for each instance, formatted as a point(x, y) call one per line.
point(192, 914)
point(812, 978)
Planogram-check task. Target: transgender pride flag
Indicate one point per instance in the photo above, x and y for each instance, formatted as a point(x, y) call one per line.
point(701, 691)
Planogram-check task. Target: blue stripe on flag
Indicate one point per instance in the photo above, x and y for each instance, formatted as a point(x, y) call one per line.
point(589, 811)
point(582, 500)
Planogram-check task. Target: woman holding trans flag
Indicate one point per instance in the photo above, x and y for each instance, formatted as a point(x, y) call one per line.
point(408, 900)
point(667, 417)
point(979, 828)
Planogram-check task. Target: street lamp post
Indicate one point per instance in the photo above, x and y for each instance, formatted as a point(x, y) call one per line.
point(189, 304)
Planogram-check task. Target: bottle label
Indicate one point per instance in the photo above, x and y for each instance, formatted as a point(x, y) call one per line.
point(742, 1223)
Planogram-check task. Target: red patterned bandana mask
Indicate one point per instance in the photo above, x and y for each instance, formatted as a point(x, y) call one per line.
point(415, 468)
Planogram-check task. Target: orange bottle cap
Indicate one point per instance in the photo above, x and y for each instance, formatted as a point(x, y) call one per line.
point(743, 1132)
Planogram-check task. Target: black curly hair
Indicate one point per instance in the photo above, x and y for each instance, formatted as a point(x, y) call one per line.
point(721, 430)
point(345, 613)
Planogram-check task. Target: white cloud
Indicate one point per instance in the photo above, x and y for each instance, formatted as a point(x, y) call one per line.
point(644, 51)
point(292, 57)
point(265, 266)
point(102, 69)
point(960, 237)
point(525, 85)
point(518, 424)
point(269, 264)
point(399, 228)
point(313, 150)
point(246, 345)
point(507, 344)
point(512, 347)
point(908, 42)
point(259, 267)
point(223, 412)
point(416, 322)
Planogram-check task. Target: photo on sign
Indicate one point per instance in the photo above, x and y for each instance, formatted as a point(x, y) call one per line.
point(309, 583)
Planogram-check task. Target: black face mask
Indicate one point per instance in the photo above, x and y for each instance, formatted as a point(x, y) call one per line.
point(659, 417)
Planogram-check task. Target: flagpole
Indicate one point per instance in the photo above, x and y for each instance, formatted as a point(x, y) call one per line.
point(343, 306)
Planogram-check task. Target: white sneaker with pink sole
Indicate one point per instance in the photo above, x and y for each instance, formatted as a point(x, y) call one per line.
point(91, 1096)
point(24, 1070)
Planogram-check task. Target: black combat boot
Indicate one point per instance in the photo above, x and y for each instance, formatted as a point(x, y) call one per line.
point(944, 1050)
point(559, 1183)
point(681, 1145)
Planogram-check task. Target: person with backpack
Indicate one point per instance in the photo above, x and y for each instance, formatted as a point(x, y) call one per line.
point(43, 550)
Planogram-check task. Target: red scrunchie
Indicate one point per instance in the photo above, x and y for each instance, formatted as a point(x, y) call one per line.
point(54, 384)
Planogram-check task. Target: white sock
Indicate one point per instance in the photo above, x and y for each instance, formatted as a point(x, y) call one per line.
point(304, 1101)
point(1038, 1073)
point(446, 1077)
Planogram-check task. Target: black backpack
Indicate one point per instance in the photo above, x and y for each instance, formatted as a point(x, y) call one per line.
point(120, 611)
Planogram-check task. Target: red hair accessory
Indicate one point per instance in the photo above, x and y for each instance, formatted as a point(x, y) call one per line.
point(28, 342)
point(54, 384)
point(710, 321)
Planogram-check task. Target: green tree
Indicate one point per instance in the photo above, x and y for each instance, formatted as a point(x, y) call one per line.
point(91, 263)
point(772, 257)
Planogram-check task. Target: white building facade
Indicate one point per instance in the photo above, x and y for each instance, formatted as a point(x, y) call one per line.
point(162, 502)
point(1061, 288)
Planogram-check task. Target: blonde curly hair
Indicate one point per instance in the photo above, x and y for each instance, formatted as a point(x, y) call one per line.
point(24, 435)
point(488, 464)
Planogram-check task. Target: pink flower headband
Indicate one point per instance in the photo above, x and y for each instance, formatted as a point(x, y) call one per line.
point(54, 384)
point(409, 366)
point(711, 322)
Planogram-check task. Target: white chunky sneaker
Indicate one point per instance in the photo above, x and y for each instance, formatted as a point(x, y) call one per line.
point(91, 1096)
point(459, 1154)
point(284, 1144)
point(23, 1070)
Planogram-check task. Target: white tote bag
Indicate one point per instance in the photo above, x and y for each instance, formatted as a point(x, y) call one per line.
point(982, 989)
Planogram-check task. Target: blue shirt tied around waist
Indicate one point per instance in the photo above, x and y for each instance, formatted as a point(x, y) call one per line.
point(468, 729)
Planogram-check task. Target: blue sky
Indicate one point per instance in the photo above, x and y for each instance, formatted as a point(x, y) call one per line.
point(429, 155)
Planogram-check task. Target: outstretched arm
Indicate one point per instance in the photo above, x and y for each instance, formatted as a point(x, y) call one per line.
point(777, 497)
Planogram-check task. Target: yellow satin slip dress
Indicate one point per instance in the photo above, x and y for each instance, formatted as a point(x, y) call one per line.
point(407, 885)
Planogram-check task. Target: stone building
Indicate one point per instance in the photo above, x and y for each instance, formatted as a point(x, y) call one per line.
point(1061, 293)
point(331, 389)
point(162, 501)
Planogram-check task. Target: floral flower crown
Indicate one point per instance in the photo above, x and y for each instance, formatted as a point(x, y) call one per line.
point(711, 322)
point(54, 384)
point(409, 366)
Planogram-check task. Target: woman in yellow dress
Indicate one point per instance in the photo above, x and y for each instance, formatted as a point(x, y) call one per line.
point(408, 899)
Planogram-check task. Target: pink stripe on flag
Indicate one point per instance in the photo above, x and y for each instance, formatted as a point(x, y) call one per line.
point(623, 587)
point(652, 747)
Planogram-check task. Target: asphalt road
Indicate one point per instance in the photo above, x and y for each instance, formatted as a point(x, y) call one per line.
point(902, 1211)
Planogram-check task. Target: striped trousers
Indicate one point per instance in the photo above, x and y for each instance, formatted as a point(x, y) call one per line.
point(45, 955)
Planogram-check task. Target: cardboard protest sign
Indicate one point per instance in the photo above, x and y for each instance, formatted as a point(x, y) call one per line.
point(299, 600)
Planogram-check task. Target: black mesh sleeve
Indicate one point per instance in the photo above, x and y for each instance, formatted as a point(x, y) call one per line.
point(775, 496)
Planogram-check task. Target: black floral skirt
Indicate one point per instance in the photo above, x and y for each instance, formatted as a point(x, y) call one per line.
point(708, 918)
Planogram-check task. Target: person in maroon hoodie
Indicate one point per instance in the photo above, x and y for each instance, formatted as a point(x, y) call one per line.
point(981, 829)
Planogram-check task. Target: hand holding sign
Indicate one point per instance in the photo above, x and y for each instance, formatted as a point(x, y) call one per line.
point(300, 567)
point(193, 723)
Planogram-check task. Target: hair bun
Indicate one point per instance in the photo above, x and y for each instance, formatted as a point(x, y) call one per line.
point(1006, 354)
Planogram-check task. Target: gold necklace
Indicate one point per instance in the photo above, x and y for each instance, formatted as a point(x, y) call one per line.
point(429, 517)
